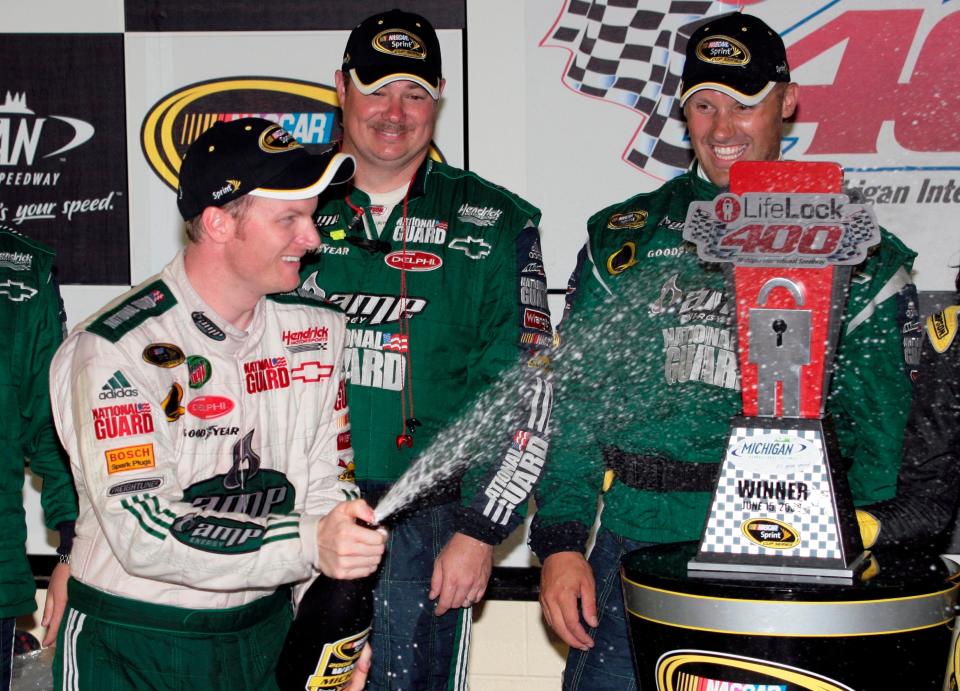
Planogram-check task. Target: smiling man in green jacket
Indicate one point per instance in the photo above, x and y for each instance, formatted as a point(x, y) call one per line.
point(650, 376)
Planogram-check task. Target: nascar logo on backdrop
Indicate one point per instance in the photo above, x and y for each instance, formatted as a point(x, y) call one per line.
point(631, 53)
point(310, 112)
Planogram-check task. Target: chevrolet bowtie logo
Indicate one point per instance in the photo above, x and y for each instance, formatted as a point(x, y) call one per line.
point(17, 291)
point(475, 248)
point(312, 371)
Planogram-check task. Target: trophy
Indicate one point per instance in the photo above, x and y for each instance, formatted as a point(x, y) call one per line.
point(790, 239)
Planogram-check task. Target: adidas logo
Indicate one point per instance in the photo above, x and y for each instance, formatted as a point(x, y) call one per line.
point(117, 386)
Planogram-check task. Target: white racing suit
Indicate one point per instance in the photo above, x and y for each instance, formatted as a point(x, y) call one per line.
point(203, 455)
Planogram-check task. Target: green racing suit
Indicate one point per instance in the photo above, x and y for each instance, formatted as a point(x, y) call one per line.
point(444, 309)
point(32, 319)
point(647, 376)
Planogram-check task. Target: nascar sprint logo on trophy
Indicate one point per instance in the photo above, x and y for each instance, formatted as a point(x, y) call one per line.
point(791, 238)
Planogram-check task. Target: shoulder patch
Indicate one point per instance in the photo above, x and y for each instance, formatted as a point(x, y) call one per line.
point(489, 195)
point(20, 255)
point(150, 301)
point(11, 236)
point(942, 328)
point(628, 219)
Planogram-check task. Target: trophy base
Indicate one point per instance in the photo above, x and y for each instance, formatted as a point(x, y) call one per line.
point(780, 507)
point(791, 573)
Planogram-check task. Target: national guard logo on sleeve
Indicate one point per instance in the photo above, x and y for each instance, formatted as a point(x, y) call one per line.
point(942, 327)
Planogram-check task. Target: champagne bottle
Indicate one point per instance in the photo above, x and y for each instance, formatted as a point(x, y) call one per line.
point(327, 635)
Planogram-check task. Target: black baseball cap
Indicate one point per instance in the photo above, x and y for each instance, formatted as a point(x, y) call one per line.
point(735, 54)
point(257, 157)
point(390, 47)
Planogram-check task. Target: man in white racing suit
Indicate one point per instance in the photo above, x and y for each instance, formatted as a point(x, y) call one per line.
point(205, 417)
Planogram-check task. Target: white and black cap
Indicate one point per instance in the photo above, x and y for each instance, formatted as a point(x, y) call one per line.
point(256, 157)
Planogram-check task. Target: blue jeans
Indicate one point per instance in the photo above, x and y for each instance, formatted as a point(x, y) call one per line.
point(609, 664)
point(7, 629)
point(413, 649)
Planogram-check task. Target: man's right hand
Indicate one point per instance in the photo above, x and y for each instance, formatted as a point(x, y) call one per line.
point(346, 549)
point(566, 580)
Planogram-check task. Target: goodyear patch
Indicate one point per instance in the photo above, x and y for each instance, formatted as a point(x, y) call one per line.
point(630, 219)
point(136, 457)
point(942, 328)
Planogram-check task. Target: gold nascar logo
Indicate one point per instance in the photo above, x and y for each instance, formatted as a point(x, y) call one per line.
point(177, 119)
point(277, 140)
point(723, 50)
point(767, 532)
point(630, 219)
point(399, 42)
point(672, 675)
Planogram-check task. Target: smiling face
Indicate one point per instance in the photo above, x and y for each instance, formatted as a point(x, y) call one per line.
point(724, 131)
point(270, 238)
point(388, 131)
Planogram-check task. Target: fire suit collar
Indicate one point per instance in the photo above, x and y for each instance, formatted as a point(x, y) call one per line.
point(418, 187)
point(176, 277)
point(702, 186)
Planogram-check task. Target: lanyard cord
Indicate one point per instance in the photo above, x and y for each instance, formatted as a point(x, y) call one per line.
point(408, 424)
point(406, 393)
point(357, 210)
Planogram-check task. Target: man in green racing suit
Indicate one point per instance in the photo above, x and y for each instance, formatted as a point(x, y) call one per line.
point(440, 275)
point(650, 376)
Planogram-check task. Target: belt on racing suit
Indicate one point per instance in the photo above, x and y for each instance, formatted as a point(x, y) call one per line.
point(659, 474)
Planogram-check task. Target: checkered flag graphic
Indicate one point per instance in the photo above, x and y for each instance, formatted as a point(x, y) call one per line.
point(860, 231)
point(631, 52)
point(703, 229)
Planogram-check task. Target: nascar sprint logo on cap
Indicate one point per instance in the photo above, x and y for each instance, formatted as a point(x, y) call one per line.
point(275, 139)
point(775, 229)
point(400, 43)
point(723, 50)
